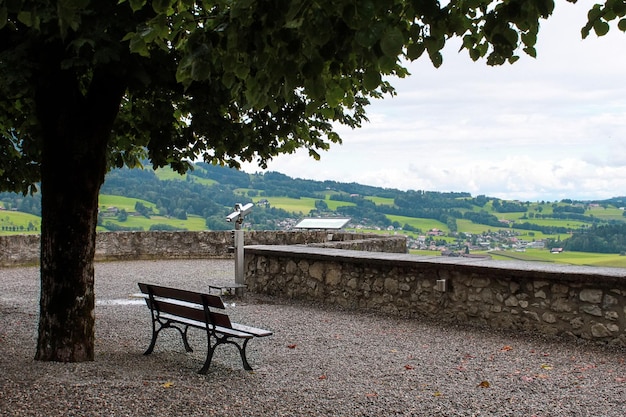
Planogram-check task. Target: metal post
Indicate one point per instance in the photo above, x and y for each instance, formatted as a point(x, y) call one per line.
point(239, 277)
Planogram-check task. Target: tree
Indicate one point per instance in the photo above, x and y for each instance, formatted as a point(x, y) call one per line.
point(91, 85)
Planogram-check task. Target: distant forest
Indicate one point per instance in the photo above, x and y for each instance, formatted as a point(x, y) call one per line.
point(211, 192)
point(610, 238)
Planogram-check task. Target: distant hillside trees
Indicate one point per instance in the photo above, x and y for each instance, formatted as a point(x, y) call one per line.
point(24, 203)
point(508, 207)
point(569, 209)
point(602, 239)
point(483, 217)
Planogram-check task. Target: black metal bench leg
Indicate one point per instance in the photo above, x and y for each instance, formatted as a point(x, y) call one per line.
point(242, 352)
point(155, 333)
point(209, 357)
point(185, 341)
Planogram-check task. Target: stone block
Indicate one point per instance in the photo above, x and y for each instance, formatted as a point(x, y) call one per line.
point(480, 282)
point(511, 301)
point(559, 289)
point(333, 277)
point(609, 301)
point(391, 285)
point(548, 317)
point(593, 296)
point(599, 330)
point(316, 271)
point(593, 310)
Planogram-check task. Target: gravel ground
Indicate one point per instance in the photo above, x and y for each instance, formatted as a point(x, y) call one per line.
point(320, 361)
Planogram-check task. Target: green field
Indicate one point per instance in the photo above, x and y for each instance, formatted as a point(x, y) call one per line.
point(381, 201)
point(423, 224)
point(544, 255)
point(301, 206)
point(193, 223)
point(15, 222)
point(120, 202)
point(573, 258)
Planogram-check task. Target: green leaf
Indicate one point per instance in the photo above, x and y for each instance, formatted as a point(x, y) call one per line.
point(161, 6)
point(594, 13)
point(137, 4)
point(139, 46)
point(621, 25)
point(530, 50)
point(619, 7)
point(392, 42)
point(436, 59)
point(601, 27)
point(26, 18)
point(371, 79)
point(415, 50)
point(366, 38)
point(334, 95)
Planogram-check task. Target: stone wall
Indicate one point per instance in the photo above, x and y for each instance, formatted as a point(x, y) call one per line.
point(585, 302)
point(24, 249)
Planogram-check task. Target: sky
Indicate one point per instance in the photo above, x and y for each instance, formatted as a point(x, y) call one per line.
point(542, 129)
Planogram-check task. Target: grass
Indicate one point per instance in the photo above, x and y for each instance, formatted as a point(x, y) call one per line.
point(544, 255)
point(381, 201)
point(572, 258)
point(423, 224)
point(120, 202)
point(167, 173)
point(193, 223)
point(10, 220)
point(300, 206)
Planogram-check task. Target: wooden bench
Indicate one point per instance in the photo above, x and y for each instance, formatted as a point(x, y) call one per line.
point(180, 309)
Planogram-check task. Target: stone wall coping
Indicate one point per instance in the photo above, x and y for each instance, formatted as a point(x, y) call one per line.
point(514, 269)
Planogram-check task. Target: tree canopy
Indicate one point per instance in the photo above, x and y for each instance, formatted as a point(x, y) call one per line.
point(234, 80)
point(90, 85)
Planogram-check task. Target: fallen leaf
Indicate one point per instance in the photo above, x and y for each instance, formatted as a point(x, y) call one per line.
point(409, 367)
point(506, 348)
point(293, 346)
point(484, 384)
point(546, 366)
point(620, 379)
point(437, 394)
point(168, 384)
point(371, 395)
point(322, 377)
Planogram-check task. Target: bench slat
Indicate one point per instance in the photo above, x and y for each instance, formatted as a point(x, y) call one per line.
point(201, 325)
point(212, 300)
point(252, 330)
point(178, 310)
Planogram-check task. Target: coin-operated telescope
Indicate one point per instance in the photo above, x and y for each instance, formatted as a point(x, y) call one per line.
point(239, 214)
point(236, 217)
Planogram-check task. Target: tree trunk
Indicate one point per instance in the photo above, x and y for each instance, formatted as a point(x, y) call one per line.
point(76, 129)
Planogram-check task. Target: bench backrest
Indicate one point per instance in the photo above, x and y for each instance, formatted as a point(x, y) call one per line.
point(188, 304)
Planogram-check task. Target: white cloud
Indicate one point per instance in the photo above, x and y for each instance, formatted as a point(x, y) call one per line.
point(542, 129)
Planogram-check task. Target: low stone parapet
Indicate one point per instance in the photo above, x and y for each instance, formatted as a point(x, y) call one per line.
point(584, 302)
point(25, 249)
